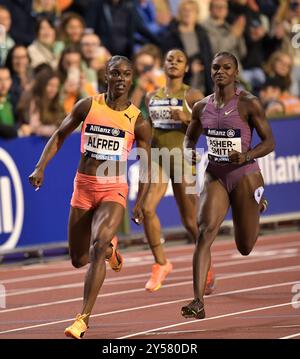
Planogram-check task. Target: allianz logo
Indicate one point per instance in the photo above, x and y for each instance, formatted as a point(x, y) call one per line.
point(275, 170)
point(11, 222)
point(281, 169)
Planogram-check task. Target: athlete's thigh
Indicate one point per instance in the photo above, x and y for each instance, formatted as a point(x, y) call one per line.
point(106, 221)
point(245, 206)
point(214, 203)
point(79, 231)
point(186, 201)
point(157, 188)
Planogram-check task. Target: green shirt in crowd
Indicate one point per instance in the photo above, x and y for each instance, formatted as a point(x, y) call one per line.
point(6, 113)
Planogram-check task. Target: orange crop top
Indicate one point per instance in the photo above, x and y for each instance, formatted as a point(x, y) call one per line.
point(107, 134)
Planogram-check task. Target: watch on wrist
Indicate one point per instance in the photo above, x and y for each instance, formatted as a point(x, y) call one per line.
point(248, 157)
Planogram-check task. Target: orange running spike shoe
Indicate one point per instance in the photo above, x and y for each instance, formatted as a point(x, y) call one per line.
point(78, 328)
point(158, 275)
point(210, 282)
point(116, 260)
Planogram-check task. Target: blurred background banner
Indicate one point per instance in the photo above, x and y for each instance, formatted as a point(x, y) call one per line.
point(29, 217)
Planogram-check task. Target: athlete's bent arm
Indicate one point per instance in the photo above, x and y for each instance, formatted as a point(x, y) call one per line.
point(192, 97)
point(193, 132)
point(69, 124)
point(143, 143)
point(258, 120)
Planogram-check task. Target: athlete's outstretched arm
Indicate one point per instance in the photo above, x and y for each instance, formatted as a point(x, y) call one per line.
point(258, 120)
point(143, 136)
point(193, 132)
point(69, 124)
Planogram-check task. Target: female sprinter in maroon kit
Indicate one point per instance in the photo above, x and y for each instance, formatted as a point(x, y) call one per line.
point(232, 178)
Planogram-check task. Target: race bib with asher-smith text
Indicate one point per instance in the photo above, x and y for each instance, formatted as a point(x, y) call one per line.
point(103, 143)
point(221, 141)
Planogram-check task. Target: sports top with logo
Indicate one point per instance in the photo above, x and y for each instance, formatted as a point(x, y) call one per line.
point(107, 134)
point(168, 132)
point(226, 131)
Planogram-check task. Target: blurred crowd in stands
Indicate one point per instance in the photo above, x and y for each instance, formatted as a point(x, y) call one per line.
point(54, 52)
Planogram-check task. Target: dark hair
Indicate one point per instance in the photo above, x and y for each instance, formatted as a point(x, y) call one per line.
point(50, 111)
point(10, 55)
point(275, 81)
point(177, 49)
point(72, 49)
point(227, 54)
point(117, 58)
point(44, 18)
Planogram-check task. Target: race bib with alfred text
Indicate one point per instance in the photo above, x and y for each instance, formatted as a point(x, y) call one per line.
point(103, 143)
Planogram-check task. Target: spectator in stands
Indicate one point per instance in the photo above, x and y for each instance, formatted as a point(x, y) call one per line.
point(94, 54)
point(196, 73)
point(258, 41)
point(116, 22)
point(45, 48)
point(74, 83)
point(286, 27)
point(8, 125)
point(148, 75)
point(186, 34)
point(280, 65)
point(40, 106)
point(269, 95)
point(23, 21)
point(6, 42)
point(147, 12)
point(163, 12)
point(95, 58)
point(222, 36)
point(18, 63)
point(268, 7)
point(46, 7)
point(71, 29)
point(281, 93)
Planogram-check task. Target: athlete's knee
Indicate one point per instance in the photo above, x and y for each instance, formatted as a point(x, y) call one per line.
point(244, 248)
point(79, 261)
point(207, 233)
point(101, 241)
point(190, 225)
point(99, 248)
point(148, 211)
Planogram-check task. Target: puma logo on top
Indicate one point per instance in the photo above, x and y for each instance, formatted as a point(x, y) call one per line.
point(129, 118)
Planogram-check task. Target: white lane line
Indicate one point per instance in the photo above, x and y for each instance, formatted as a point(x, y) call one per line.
point(286, 326)
point(179, 332)
point(178, 259)
point(127, 279)
point(141, 258)
point(237, 291)
point(290, 336)
point(146, 332)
